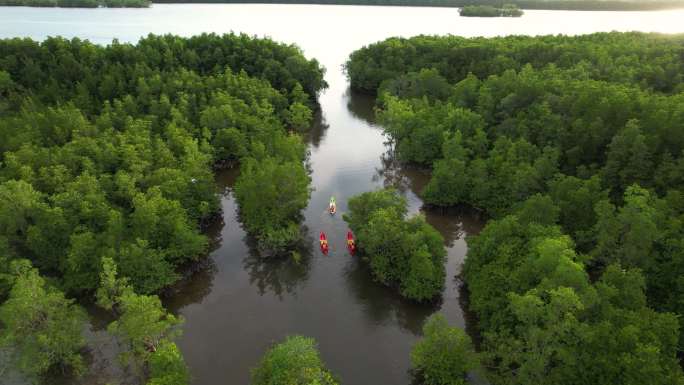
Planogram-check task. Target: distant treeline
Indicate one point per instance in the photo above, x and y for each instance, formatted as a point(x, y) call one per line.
point(78, 3)
point(579, 5)
point(507, 10)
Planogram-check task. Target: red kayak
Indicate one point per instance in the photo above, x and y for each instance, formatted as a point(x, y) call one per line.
point(351, 244)
point(324, 243)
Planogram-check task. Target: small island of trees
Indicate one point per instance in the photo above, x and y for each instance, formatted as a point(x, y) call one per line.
point(507, 10)
point(402, 252)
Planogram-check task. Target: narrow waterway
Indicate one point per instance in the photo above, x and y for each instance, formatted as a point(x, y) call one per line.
point(236, 305)
point(239, 304)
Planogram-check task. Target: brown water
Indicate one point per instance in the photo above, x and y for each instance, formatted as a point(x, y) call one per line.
point(239, 304)
point(236, 305)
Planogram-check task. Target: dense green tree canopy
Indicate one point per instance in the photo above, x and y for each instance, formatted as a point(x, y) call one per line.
point(649, 60)
point(444, 355)
point(40, 325)
point(106, 177)
point(403, 252)
point(107, 151)
point(574, 146)
point(144, 329)
point(295, 361)
point(271, 195)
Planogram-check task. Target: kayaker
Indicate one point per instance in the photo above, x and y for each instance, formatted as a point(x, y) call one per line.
point(351, 244)
point(332, 207)
point(324, 243)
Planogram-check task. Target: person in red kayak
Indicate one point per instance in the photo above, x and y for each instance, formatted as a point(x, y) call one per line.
point(324, 243)
point(351, 244)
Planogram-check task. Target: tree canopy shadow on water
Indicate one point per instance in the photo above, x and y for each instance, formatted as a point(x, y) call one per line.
point(453, 223)
point(404, 178)
point(101, 357)
point(317, 131)
point(470, 318)
point(383, 304)
point(193, 288)
point(197, 277)
point(282, 274)
point(361, 106)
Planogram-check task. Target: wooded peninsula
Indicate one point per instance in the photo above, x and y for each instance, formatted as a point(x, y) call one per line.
point(107, 179)
point(574, 147)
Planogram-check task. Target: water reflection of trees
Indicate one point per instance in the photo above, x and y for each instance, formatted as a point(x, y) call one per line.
point(382, 304)
point(319, 127)
point(281, 274)
point(193, 288)
point(402, 177)
point(469, 316)
point(102, 363)
point(198, 276)
point(361, 106)
point(453, 223)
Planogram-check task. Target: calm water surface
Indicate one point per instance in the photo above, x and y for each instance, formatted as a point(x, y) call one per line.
point(236, 305)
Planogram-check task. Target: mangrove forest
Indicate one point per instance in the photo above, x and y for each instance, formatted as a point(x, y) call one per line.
point(122, 163)
point(573, 146)
point(107, 180)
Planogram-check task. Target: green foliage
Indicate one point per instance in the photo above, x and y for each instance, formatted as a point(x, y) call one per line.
point(69, 68)
point(364, 205)
point(648, 60)
point(407, 253)
point(553, 135)
point(511, 10)
point(106, 168)
point(271, 194)
point(629, 159)
point(627, 235)
point(479, 11)
point(425, 83)
point(112, 288)
point(299, 116)
point(542, 316)
point(143, 326)
point(295, 361)
point(444, 355)
point(167, 366)
point(107, 152)
point(40, 325)
point(576, 199)
point(6, 278)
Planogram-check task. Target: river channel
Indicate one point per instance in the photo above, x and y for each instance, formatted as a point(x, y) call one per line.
point(236, 305)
